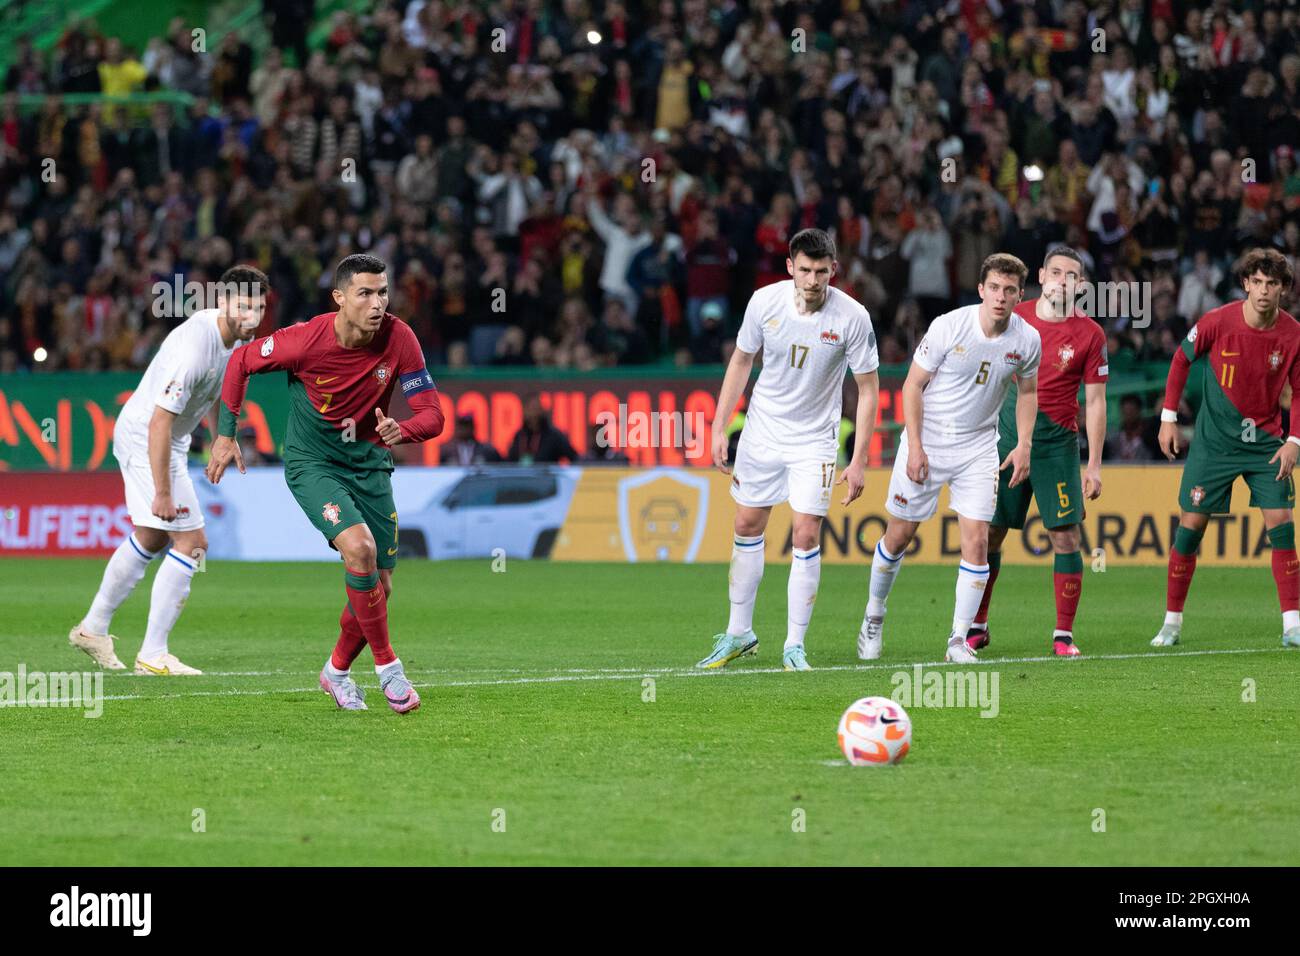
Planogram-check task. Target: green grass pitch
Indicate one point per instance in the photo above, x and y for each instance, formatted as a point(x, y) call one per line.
point(533, 716)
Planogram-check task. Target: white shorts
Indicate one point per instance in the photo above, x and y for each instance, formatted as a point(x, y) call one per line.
point(764, 476)
point(138, 479)
point(971, 474)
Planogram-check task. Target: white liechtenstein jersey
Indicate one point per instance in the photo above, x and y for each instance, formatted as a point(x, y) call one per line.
point(184, 377)
point(796, 401)
point(971, 374)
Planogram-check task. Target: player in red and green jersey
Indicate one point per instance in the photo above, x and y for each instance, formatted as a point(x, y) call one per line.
point(1074, 354)
point(1253, 351)
point(342, 368)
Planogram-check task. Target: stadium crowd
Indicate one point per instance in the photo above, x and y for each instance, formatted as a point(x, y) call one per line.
point(585, 184)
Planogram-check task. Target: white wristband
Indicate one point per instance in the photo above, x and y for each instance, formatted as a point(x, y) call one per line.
point(1292, 438)
point(1168, 415)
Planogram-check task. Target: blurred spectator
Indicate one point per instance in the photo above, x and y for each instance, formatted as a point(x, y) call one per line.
point(1134, 438)
point(537, 439)
point(602, 447)
point(922, 137)
point(464, 448)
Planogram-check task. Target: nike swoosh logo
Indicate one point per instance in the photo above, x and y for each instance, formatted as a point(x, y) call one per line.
point(392, 551)
point(325, 381)
point(164, 671)
point(1062, 514)
point(1229, 354)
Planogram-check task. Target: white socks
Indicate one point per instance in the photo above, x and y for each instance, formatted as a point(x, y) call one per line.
point(125, 569)
point(334, 674)
point(171, 586)
point(971, 581)
point(746, 572)
point(884, 569)
point(805, 574)
point(1290, 620)
point(1174, 617)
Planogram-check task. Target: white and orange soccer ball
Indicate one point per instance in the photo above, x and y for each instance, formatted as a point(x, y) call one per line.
point(875, 731)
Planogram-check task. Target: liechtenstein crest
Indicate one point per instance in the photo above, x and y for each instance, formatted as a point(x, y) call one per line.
point(330, 512)
point(1274, 360)
point(382, 373)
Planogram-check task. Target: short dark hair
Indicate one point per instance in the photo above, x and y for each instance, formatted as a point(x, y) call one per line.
point(1005, 263)
point(1268, 261)
point(1069, 253)
point(246, 276)
point(353, 264)
point(813, 243)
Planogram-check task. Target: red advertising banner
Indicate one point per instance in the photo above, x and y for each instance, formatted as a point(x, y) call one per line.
point(666, 421)
point(67, 514)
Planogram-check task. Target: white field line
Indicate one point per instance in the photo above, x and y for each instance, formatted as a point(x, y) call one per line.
point(598, 674)
point(550, 673)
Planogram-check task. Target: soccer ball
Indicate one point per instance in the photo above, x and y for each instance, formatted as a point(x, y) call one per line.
point(875, 731)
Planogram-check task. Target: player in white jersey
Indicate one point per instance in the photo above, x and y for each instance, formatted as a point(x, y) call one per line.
point(151, 441)
point(809, 333)
point(959, 377)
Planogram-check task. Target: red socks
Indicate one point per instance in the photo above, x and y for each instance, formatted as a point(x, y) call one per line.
point(370, 606)
point(995, 565)
point(1285, 567)
point(1068, 587)
point(351, 640)
point(1181, 568)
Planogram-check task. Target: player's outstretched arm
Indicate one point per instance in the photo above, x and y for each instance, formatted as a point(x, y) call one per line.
point(1026, 412)
point(855, 473)
point(733, 385)
point(279, 351)
point(1094, 417)
point(918, 465)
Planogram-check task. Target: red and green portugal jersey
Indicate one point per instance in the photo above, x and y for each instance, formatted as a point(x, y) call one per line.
point(1245, 372)
point(1074, 354)
point(334, 391)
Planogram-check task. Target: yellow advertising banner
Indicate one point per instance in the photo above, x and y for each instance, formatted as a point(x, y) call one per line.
point(686, 514)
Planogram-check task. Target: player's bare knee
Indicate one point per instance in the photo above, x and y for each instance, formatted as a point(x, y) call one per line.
point(996, 537)
point(359, 554)
point(1274, 517)
point(975, 543)
point(1064, 540)
point(806, 532)
point(750, 522)
point(192, 544)
point(898, 535)
point(1194, 521)
point(152, 540)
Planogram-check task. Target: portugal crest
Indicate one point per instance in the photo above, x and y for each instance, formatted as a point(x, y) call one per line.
point(1065, 353)
point(330, 512)
point(1197, 495)
point(1274, 360)
point(383, 373)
